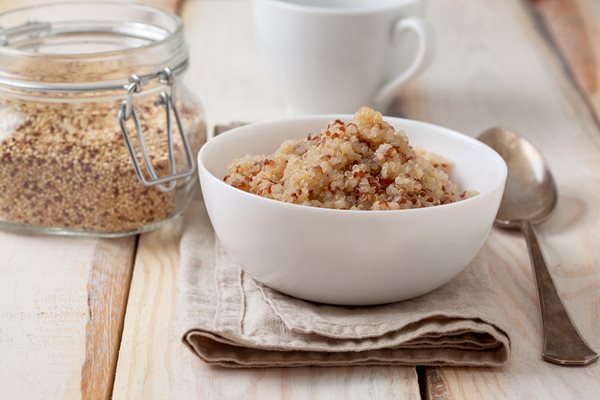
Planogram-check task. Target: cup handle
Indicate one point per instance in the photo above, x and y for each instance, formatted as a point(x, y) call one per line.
point(424, 54)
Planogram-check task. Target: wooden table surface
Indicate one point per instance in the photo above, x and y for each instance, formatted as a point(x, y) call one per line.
point(95, 318)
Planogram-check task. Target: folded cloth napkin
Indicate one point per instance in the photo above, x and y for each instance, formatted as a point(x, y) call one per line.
point(230, 319)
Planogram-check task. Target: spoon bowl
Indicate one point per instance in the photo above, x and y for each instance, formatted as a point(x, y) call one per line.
point(531, 192)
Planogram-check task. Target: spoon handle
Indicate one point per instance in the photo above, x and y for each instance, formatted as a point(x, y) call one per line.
point(562, 342)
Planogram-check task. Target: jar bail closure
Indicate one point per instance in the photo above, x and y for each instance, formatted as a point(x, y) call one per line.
point(168, 100)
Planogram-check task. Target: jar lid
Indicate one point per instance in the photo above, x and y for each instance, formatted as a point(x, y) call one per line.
point(88, 46)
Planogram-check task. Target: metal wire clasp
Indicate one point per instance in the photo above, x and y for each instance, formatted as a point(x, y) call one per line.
point(168, 100)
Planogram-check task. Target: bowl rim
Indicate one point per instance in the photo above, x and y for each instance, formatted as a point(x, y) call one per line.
point(330, 117)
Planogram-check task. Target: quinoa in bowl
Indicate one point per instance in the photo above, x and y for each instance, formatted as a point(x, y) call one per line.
point(361, 165)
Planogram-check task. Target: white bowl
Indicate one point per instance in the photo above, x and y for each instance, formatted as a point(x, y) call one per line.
point(351, 257)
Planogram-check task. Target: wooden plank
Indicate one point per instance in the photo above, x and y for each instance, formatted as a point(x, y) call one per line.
point(234, 86)
point(435, 386)
point(154, 364)
point(62, 303)
point(107, 292)
point(494, 67)
point(227, 72)
point(61, 311)
point(574, 27)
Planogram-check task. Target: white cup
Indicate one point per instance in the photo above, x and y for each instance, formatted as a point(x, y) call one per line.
point(333, 56)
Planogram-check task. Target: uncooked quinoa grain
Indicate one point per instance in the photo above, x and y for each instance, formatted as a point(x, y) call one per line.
point(66, 165)
point(362, 165)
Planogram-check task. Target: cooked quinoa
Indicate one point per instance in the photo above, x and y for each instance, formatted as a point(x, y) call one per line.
point(361, 165)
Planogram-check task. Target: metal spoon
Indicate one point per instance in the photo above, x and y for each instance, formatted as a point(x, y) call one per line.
point(529, 198)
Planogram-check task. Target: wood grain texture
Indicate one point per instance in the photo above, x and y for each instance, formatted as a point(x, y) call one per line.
point(107, 292)
point(154, 364)
point(61, 309)
point(435, 386)
point(494, 67)
point(233, 84)
point(226, 71)
point(574, 27)
point(62, 304)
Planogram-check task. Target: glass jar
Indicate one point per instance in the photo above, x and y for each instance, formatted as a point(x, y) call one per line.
point(98, 135)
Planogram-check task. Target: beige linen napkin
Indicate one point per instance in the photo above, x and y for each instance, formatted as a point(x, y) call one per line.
point(229, 319)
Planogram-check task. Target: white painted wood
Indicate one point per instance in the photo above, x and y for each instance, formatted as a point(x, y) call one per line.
point(227, 71)
point(574, 26)
point(62, 302)
point(495, 68)
point(42, 328)
point(61, 307)
point(153, 363)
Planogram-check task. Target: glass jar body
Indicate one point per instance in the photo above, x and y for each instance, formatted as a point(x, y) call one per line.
point(98, 134)
point(65, 167)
